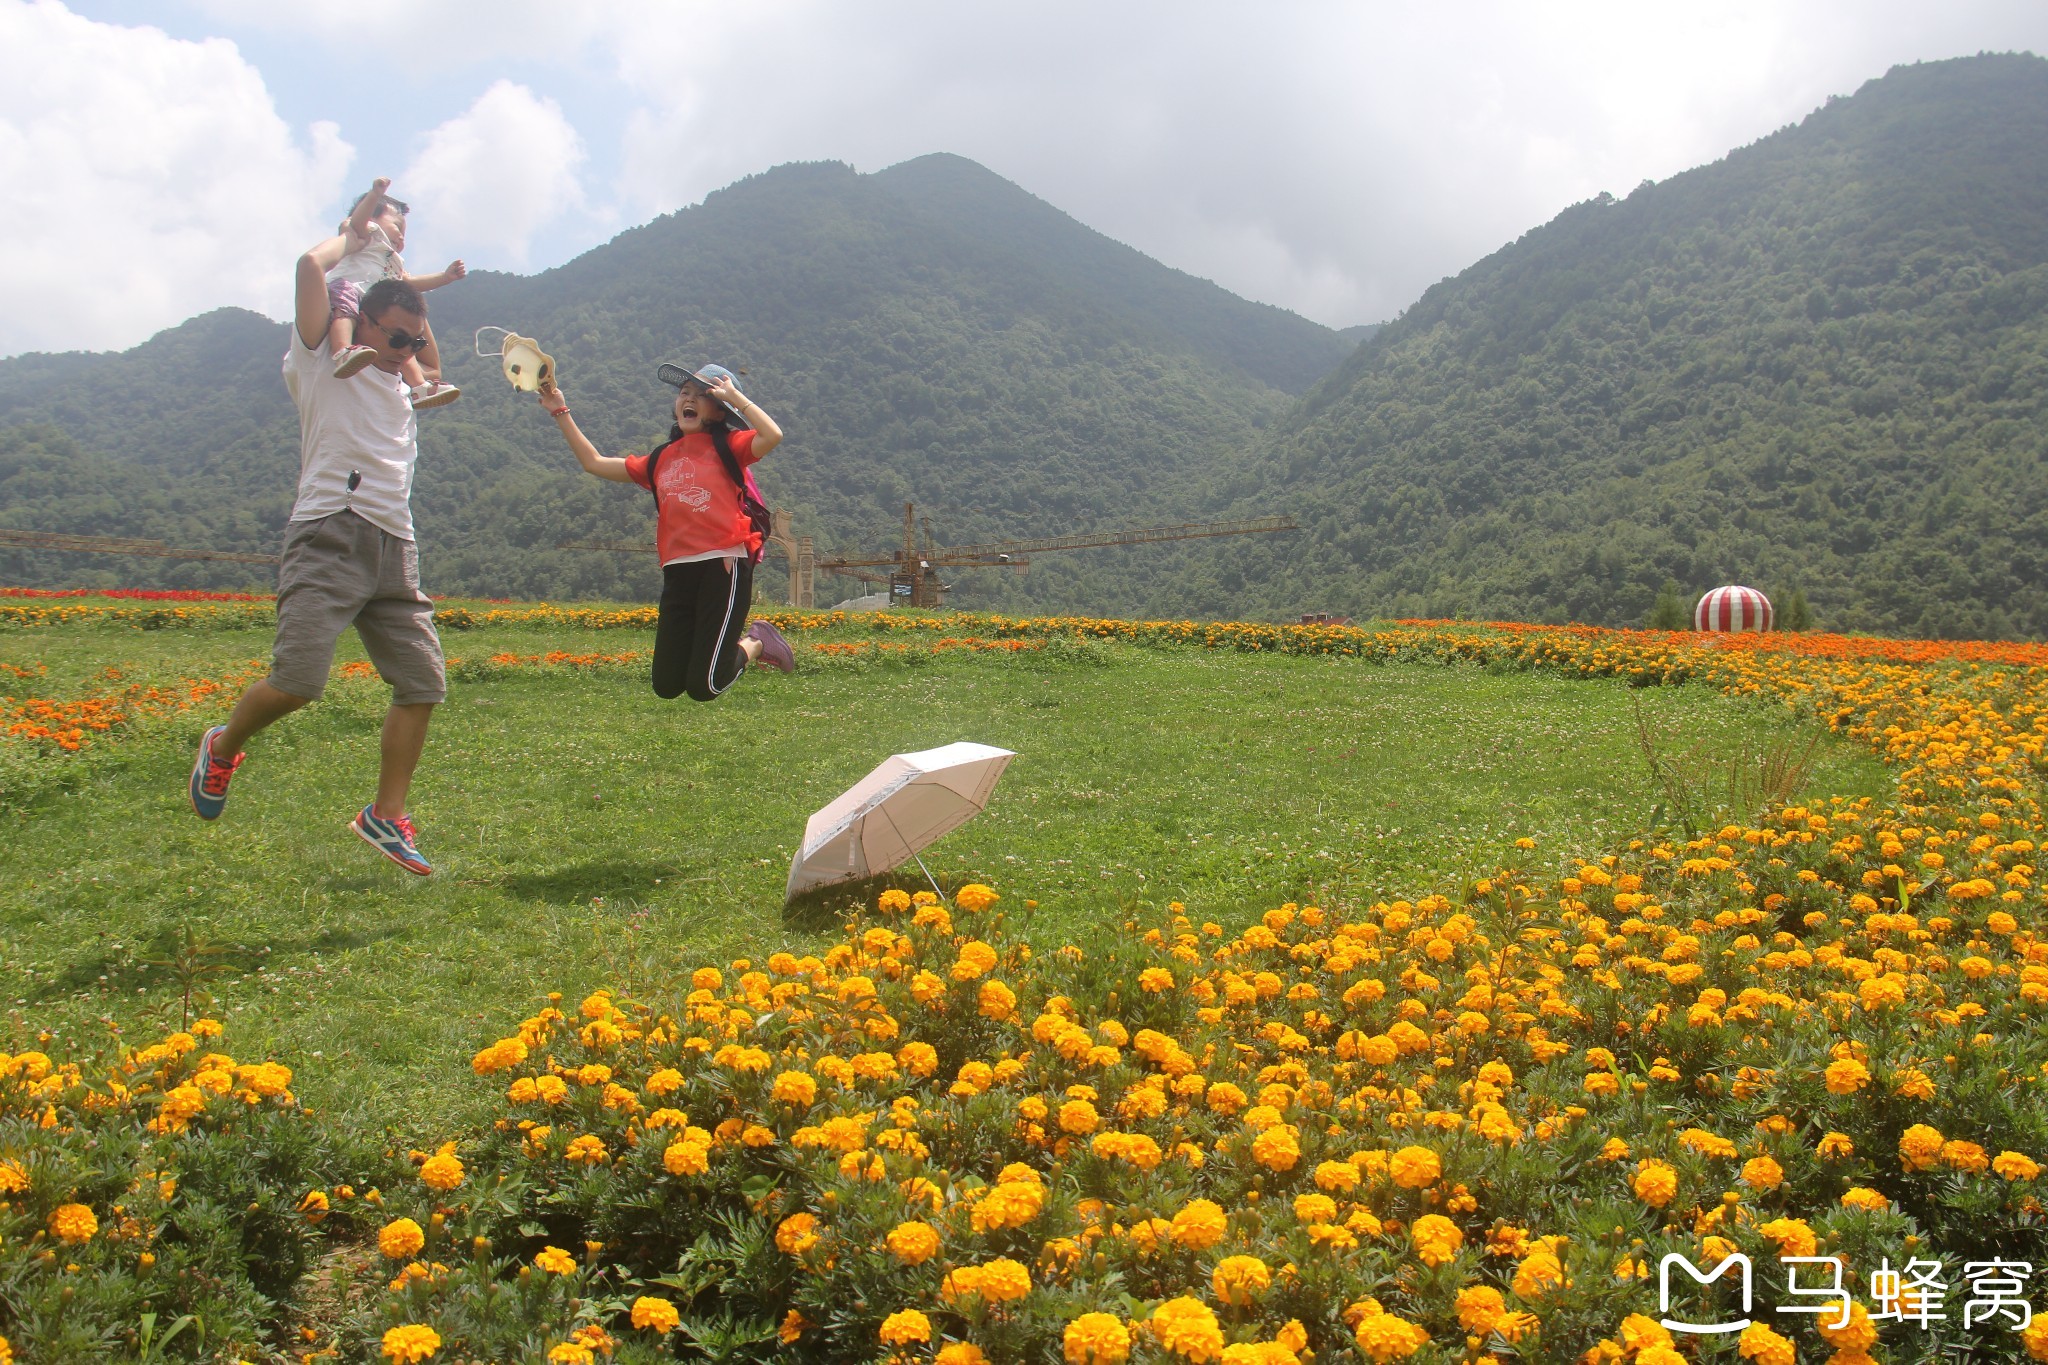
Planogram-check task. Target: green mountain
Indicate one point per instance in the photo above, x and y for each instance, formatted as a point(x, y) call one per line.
point(1821, 363)
point(929, 333)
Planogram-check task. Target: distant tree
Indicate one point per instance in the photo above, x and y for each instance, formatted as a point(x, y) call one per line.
point(1795, 614)
point(1669, 612)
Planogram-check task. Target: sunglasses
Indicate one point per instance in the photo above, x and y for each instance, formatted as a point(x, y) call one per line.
point(401, 341)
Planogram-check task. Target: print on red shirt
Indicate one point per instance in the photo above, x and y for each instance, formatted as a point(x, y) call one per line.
point(697, 508)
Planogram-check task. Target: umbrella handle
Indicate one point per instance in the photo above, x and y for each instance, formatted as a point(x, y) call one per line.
point(884, 813)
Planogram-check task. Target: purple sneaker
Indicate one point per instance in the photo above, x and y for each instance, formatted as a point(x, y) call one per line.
point(395, 839)
point(208, 786)
point(775, 651)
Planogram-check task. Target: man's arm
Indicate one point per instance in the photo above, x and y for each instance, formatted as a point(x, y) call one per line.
point(310, 290)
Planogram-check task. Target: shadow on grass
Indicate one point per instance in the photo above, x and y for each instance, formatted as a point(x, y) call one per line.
point(601, 878)
point(171, 953)
point(823, 910)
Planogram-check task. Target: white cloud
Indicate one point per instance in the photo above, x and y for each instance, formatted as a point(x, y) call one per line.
point(1334, 159)
point(149, 179)
point(490, 178)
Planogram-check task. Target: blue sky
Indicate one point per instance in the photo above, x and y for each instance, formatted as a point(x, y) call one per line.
point(1336, 159)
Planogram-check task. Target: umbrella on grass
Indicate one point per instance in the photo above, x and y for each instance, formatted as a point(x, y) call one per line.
point(884, 819)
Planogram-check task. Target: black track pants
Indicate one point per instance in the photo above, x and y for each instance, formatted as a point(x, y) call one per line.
point(703, 617)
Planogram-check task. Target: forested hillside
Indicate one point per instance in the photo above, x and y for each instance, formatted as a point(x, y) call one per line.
point(929, 333)
point(1818, 364)
point(1821, 362)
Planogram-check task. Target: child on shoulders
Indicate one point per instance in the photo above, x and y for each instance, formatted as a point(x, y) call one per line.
point(375, 228)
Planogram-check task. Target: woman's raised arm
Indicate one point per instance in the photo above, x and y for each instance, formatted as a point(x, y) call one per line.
point(556, 404)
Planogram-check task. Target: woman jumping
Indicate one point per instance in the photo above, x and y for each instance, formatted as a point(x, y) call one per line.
point(706, 539)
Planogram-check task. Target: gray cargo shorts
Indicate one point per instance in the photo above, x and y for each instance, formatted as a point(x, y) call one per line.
point(341, 570)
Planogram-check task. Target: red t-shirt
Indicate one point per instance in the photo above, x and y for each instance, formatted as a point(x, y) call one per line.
point(697, 508)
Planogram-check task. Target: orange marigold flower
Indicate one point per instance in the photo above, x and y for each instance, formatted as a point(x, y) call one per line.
point(400, 1239)
point(906, 1328)
point(410, 1344)
point(1097, 1339)
point(655, 1315)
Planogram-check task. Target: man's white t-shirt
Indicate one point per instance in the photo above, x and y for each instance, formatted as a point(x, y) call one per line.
point(364, 423)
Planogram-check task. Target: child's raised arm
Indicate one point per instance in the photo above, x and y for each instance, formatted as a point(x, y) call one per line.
point(610, 467)
point(455, 271)
point(366, 208)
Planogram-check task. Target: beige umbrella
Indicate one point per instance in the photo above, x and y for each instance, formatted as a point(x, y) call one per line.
point(884, 819)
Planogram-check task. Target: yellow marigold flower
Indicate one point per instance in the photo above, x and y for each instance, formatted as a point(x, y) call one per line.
point(655, 1315)
point(1540, 1270)
point(551, 1089)
point(906, 1328)
point(586, 1149)
point(1315, 1208)
point(913, 1243)
point(996, 1000)
point(1859, 1333)
point(555, 1261)
point(410, 1344)
point(400, 1239)
point(893, 901)
point(1239, 1280)
point(1846, 1076)
point(1762, 1173)
point(1278, 1148)
point(505, 1053)
point(1834, 1146)
point(1003, 1280)
point(2035, 1338)
point(1186, 1327)
point(686, 1158)
point(1199, 1225)
point(314, 1205)
point(975, 898)
point(13, 1179)
point(1913, 1084)
point(795, 1087)
point(960, 1353)
point(1436, 1238)
point(1338, 1177)
point(1760, 1344)
point(1793, 1236)
point(1225, 1098)
point(796, 1234)
point(442, 1171)
point(1384, 1337)
point(1920, 1148)
point(1859, 1197)
point(1480, 1307)
point(1655, 1182)
point(976, 959)
point(666, 1081)
point(919, 1059)
point(1079, 1116)
point(1415, 1168)
point(72, 1224)
point(1097, 1339)
point(2016, 1166)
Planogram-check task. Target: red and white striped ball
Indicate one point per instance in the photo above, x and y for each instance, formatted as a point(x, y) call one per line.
point(1732, 608)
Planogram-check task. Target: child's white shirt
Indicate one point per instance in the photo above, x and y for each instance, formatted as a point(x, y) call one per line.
point(376, 259)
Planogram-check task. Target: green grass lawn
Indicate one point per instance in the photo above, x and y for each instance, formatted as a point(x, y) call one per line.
point(585, 832)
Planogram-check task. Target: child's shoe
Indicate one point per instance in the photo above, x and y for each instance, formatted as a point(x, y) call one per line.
point(775, 651)
point(395, 839)
point(352, 361)
point(434, 395)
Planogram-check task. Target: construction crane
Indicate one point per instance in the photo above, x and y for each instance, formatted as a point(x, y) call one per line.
point(913, 576)
point(116, 545)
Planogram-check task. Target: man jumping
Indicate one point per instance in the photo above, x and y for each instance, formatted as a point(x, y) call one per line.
point(349, 557)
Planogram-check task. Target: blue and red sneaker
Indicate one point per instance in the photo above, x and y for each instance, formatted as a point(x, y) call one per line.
point(394, 838)
point(210, 777)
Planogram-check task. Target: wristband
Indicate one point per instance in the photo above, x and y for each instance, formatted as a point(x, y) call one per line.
point(562, 411)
